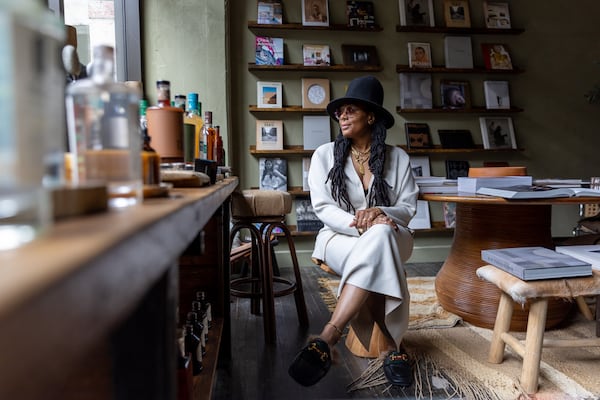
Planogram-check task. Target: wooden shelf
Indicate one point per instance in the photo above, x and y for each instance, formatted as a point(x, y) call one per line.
point(471, 110)
point(299, 27)
point(437, 149)
point(295, 191)
point(440, 69)
point(287, 151)
point(462, 31)
point(287, 109)
point(326, 68)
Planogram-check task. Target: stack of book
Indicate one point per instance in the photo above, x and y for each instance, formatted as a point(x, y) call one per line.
point(436, 184)
point(535, 263)
point(472, 185)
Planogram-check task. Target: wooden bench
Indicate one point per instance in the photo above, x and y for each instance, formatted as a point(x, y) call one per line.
point(537, 293)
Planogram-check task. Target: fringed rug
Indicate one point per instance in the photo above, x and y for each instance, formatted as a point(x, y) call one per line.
point(452, 364)
point(425, 311)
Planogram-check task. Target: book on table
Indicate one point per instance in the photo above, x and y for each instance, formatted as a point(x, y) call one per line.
point(436, 184)
point(586, 252)
point(472, 185)
point(537, 192)
point(536, 262)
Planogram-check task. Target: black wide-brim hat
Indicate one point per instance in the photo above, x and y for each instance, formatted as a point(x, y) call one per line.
point(364, 91)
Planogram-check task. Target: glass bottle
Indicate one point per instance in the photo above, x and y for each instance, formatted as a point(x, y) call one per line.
point(150, 158)
point(206, 306)
point(208, 133)
point(32, 119)
point(201, 313)
point(104, 131)
point(192, 346)
point(179, 101)
point(163, 93)
point(192, 319)
point(219, 147)
point(192, 117)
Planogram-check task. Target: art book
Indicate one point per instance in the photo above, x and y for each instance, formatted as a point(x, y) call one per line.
point(587, 252)
point(496, 15)
point(417, 135)
point(419, 55)
point(537, 192)
point(449, 214)
point(455, 94)
point(316, 54)
point(316, 130)
point(306, 219)
point(360, 14)
point(472, 184)
point(415, 90)
point(456, 139)
point(269, 12)
point(422, 218)
point(496, 56)
point(269, 50)
point(535, 262)
point(458, 52)
point(457, 169)
point(420, 165)
point(416, 13)
point(496, 94)
point(457, 13)
point(272, 174)
point(305, 168)
point(269, 135)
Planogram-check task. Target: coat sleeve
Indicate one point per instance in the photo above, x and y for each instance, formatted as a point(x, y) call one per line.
point(326, 208)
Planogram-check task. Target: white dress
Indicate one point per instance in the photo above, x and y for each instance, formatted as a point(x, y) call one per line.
point(375, 260)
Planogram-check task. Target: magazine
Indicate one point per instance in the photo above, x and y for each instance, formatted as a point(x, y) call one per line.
point(537, 192)
point(534, 263)
point(306, 219)
point(269, 51)
point(270, 12)
point(586, 252)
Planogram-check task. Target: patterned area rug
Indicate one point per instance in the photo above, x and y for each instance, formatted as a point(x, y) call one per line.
point(452, 363)
point(425, 311)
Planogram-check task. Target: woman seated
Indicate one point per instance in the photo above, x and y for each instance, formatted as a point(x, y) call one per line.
point(364, 193)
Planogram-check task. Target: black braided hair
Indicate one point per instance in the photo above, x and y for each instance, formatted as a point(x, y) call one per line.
point(341, 148)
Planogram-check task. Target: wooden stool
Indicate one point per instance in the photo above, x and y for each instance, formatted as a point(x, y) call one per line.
point(378, 342)
point(537, 293)
point(267, 209)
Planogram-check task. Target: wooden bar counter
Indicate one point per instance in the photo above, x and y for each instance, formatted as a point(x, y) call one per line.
point(89, 309)
point(487, 222)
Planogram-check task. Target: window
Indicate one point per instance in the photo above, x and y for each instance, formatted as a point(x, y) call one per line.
point(112, 22)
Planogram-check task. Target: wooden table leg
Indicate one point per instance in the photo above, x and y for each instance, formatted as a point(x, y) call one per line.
point(481, 226)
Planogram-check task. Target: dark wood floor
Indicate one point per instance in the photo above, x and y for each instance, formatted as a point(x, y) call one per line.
point(259, 371)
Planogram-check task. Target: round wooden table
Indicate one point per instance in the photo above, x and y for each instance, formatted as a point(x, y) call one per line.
point(486, 222)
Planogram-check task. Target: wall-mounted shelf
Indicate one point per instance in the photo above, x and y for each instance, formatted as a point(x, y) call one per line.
point(440, 150)
point(325, 68)
point(299, 27)
point(444, 70)
point(461, 31)
point(470, 110)
point(286, 109)
point(287, 151)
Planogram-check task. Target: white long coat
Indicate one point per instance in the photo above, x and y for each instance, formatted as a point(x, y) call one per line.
point(375, 260)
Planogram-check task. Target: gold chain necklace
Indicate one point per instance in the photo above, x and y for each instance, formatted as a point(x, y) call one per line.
point(361, 158)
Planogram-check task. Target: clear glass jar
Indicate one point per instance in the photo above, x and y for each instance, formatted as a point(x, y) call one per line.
point(104, 131)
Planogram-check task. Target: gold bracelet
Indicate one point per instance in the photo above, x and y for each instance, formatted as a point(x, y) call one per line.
point(336, 328)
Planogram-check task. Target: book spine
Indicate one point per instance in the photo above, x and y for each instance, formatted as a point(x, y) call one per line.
point(503, 264)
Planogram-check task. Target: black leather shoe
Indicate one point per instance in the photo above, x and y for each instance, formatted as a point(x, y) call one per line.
point(311, 363)
point(397, 369)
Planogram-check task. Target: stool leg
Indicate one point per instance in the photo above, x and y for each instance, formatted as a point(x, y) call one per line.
point(597, 311)
point(536, 323)
point(502, 325)
point(268, 298)
point(299, 292)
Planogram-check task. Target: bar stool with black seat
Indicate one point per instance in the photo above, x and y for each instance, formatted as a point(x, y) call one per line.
point(261, 212)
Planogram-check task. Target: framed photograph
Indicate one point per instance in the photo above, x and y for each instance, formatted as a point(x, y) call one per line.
point(315, 93)
point(270, 12)
point(496, 56)
point(419, 55)
point(416, 12)
point(316, 55)
point(496, 94)
point(457, 14)
point(496, 15)
point(415, 90)
point(422, 218)
point(420, 165)
point(268, 94)
point(456, 169)
point(455, 94)
point(272, 173)
point(497, 133)
point(315, 13)
point(269, 135)
point(360, 14)
point(360, 55)
point(417, 135)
